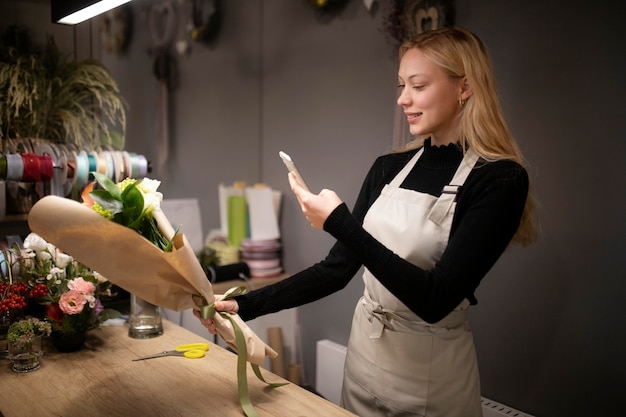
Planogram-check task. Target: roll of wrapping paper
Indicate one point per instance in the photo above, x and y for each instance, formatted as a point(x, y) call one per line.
point(237, 220)
point(293, 373)
point(275, 341)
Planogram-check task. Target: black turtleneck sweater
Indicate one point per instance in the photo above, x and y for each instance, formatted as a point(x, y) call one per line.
point(488, 211)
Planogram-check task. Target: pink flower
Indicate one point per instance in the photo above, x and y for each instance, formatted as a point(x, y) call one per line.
point(72, 302)
point(82, 286)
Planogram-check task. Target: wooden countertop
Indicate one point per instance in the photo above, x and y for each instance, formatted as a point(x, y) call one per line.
point(101, 380)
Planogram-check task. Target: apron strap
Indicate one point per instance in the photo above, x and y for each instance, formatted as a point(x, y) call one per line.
point(448, 195)
point(397, 181)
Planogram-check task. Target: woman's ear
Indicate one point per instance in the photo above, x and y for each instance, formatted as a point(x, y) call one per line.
point(466, 89)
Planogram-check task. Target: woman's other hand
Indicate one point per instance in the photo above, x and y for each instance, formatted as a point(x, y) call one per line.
point(227, 306)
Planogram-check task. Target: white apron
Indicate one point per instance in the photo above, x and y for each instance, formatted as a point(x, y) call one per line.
point(398, 364)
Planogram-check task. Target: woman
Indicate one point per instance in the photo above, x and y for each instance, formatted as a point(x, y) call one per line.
point(429, 223)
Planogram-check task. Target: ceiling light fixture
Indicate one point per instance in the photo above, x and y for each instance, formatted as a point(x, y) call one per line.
point(75, 11)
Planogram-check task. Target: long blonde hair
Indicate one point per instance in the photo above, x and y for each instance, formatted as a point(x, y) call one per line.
point(481, 124)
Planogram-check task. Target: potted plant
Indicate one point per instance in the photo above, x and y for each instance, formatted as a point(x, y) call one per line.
point(46, 95)
point(25, 339)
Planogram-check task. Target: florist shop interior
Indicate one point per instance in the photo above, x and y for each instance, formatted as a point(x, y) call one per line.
point(140, 179)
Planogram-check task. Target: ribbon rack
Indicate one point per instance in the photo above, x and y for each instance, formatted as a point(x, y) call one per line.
point(31, 169)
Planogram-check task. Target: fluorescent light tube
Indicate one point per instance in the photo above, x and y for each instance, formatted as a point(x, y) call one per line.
point(69, 13)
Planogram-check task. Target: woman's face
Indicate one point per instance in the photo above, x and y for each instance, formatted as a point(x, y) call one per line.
point(429, 97)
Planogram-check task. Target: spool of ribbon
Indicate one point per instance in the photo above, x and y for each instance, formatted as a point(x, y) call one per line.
point(15, 167)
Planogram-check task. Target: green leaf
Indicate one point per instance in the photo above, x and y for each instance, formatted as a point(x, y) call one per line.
point(108, 185)
point(133, 205)
point(104, 199)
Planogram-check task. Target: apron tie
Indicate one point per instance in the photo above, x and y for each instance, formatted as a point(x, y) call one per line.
point(378, 316)
point(382, 318)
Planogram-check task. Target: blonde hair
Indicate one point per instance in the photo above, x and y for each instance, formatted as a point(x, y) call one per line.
point(481, 124)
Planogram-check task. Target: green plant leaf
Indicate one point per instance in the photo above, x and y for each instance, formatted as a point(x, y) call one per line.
point(133, 206)
point(106, 183)
point(104, 199)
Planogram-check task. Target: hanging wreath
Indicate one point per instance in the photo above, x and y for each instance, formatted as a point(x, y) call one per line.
point(409, 18)
point(116, 29)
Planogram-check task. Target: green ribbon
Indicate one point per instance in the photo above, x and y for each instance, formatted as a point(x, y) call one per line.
point(208, 311)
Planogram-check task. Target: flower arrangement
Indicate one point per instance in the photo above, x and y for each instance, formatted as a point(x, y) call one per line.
point(22, 332)
point(130, 203)
point(171, 277)
point(70, 291)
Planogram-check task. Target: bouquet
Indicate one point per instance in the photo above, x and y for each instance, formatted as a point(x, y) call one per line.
point(70, 290)
point(130, 203)
point(121, 232)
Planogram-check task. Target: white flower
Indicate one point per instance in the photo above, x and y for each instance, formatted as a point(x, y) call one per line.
point(151, 197)
point(35, 242)
point(148, 185)
point(51, 248)
point(99, 277)
point(63, 259)
point(44, 256)
point(27, 253)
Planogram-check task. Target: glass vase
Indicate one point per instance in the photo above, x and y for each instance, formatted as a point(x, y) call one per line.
point(25, 354)
point(145, 319)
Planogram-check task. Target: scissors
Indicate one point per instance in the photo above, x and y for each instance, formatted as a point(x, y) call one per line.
point(190, 350)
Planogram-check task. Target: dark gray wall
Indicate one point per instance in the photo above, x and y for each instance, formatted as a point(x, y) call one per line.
point(545, 323)
point(323, 90)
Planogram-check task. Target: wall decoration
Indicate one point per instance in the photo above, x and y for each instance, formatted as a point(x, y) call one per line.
point(205, 20)
point(116, 27)
point(408, 18)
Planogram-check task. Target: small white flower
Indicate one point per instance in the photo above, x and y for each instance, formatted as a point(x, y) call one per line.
point(91, 300)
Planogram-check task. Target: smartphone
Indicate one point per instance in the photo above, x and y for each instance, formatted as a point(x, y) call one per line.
point(291, 167)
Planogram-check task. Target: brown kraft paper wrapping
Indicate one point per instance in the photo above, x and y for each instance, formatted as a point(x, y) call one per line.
point(169, 280)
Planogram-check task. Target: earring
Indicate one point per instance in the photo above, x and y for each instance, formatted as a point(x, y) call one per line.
point(461, 103)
